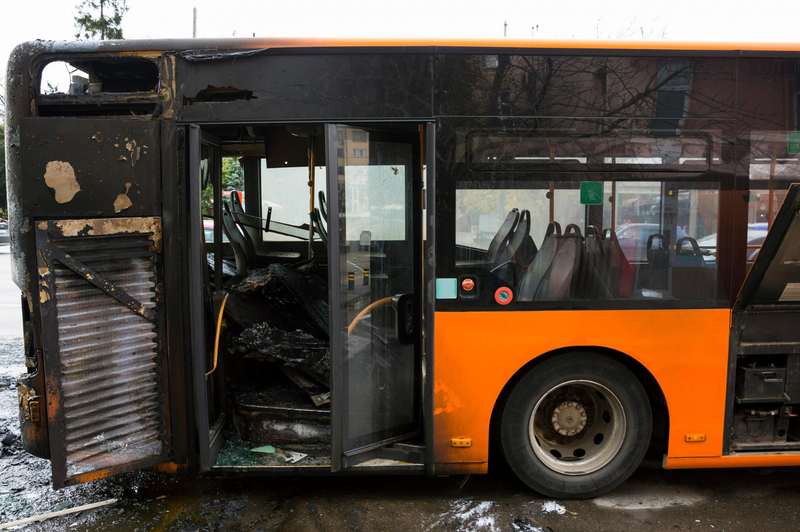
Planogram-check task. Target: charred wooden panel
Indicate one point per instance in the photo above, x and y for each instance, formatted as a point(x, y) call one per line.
point(90, 167)
point(101, 297)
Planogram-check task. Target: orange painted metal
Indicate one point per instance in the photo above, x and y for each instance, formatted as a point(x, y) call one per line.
point(734, 460)
point(477, 353)
point(266, 43)
point(170, 468)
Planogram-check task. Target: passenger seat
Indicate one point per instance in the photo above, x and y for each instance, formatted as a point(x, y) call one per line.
point(537, 271)
point(565, 266)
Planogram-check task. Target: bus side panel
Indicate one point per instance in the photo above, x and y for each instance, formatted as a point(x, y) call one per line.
point(477, 353)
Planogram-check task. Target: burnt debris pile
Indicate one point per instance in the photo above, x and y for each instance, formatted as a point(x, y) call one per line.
point(280, 360)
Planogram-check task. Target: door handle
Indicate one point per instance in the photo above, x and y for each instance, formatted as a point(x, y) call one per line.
point(404, 318)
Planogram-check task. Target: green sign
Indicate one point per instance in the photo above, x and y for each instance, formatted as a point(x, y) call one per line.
point(794, 142)
point(591, 192)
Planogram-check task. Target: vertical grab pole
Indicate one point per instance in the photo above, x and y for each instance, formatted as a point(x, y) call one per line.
point(552, 183)
point(311, 199)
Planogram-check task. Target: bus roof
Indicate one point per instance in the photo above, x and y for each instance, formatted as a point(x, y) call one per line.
point(409, 45)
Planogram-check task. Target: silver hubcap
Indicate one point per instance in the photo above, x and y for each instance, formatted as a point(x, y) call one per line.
point(577, 427)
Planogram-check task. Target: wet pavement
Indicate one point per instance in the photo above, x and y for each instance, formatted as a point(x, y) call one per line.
point(762, 500)
point(653, 499)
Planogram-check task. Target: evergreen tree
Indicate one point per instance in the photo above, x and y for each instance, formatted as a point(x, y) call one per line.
point(100, 18)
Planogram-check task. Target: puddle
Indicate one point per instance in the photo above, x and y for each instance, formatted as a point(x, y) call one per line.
point(664, 497)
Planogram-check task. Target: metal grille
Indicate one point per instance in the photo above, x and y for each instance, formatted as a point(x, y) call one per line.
point(110, 380)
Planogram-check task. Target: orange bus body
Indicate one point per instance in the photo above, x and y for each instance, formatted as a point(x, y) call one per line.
point(478, 353)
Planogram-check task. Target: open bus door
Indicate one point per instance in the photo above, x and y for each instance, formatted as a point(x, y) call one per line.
point(774, 280)
point(205, 155)
point(374, 186)
point(764, 376)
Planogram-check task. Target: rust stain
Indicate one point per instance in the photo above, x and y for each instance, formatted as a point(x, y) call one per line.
point(98, 137)
point(60, 176)
point(24, 393)
point(123, 201)
point(449, 399)
point(170, 468)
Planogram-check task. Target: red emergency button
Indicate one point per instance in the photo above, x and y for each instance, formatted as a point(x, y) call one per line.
point(503, 295)
point(467, 285)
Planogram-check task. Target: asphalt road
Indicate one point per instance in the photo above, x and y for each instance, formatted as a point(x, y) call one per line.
point(10, 306)
point(757, 500)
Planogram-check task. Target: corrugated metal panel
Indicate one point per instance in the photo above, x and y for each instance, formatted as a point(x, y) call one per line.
point(110, 380)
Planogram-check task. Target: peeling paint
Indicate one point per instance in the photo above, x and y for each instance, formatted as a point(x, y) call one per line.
point(134, 149)
point(108, 226)
point(44, 297)
point(60, 176)
point(450, 400)
point(123, 201)
point(98, 137)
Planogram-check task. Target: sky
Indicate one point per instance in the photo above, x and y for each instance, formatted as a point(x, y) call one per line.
point(676, 20)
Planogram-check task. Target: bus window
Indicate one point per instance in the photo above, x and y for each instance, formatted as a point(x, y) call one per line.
point(285, 191)
point(772, 167)
point(646, 237)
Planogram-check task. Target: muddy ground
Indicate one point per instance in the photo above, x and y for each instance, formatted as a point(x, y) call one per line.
point(653, 499)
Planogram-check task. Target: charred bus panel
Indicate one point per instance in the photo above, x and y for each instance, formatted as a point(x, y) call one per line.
point(281, 300)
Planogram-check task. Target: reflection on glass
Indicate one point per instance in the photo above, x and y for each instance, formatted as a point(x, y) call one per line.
point(665, 151)
point(377, 251)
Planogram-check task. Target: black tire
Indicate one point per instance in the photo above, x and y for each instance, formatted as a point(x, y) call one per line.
point(577, 384)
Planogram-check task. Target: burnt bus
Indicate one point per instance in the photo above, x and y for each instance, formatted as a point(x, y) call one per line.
point(265, 256)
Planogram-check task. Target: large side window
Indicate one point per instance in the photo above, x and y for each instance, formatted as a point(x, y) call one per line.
point(593, 238)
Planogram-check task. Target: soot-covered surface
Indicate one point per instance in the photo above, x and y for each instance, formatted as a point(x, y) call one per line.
point(293, 348)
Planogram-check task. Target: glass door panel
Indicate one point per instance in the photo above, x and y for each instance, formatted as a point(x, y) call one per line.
point(205, 170)
point(375, 288)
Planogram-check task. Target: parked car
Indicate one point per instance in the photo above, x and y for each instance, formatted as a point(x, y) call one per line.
point(633, 239)
point(756, 232)
point(4, 240)
point(208, 231)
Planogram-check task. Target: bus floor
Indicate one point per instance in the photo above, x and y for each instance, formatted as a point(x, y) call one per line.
point(236, 452)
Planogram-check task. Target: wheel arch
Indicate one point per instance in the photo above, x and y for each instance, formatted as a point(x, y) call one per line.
point(655, 394)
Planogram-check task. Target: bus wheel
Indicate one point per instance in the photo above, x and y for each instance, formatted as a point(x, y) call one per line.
point(576, 426)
